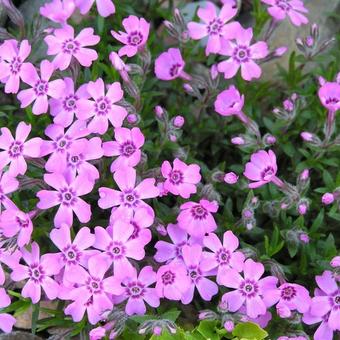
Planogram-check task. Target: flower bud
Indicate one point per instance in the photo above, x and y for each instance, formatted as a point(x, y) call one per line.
point(237, 140)
point(302, 207)
point(132, 118)
point(161, 229)
point(304, 238)
point(188, 88)
point(327, 198)
point(280, 51)
point(230, 178)
point(178, 121)
point(309, 41)
point(335, 262)
point(314, 31)
point(97, 333)
point(157, 330)
point(307, 136)
point(218, 176)
point(229, 326)
point(214, 72)
point(288, 105)
point(159, 111)
point(173, 138)
point(269, 139)
point(304, 176)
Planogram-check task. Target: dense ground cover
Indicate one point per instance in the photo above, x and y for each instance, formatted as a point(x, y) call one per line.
point(159, 179)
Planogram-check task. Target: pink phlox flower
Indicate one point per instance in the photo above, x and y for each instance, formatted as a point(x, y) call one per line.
point(255, 293)
point(126, 146)
point(329, 95)
point(230, 102)
point(62, 143)
point(137, 290)
point(9, 257)
point(72, 253)
point(136, 36)
point(8, 184)
point(38, 273)
point(242, 55)
point(130, 197)
point(12, 65)
point(279, 9)
point(58, 10)
point(91, 293)
point(223, 256)
point(118, 247)
point(197, 218)
point(7, 321)
point(262, 169)
point(41, 87)
point(141, 221)
point(170, 65)
point(14, 222)
point(192, 258)
point(261, 320)
point(68, 190)
point(172, 281)
point(79, 155)
point(65, 108)
point(104, 7)
point(120, 66)
point(64, 45)
point(18, 148)
point(214, 26)
point(181, 179)
point(167, 251)
point(102, 108)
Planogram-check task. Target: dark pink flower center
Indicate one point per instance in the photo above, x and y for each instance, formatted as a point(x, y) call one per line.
point(62, 143)
point(16, 149)
point(102, 106)
point(135, 38)
point(116, 250)
point(36, 273)
point(194, 273)
point(74, 161)
point(249, 288)
point(15, 65)
point(335, 300)
point(175, 69)
point(41, 87)
point(215, 26)
point(71, 254)
point(241, 54)
point(223, 256)
point(70, 46)
point(267, 173)
point(130, 198)
point(198, 212)
point(283, 4)
point(332, 101)
point(94, 285)
point(67, 196)
point(288, 293)
point(23, 223)
point(168, 277)
point(70, 102)
point(127, 149)
point(135, 290)
point(176, 177)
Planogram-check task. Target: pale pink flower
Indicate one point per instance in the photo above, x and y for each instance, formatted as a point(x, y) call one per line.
point(262, 169)
point(130, 198)
point(242, 55)
point(38, 273)
point(102, 108)
point(67, 195)
point(16, 150)
point(120, 66)
point(137, 32)
point(329, 95)
point(41, 87)
point(126, 146)
point(104, 7)
point(64, 45)
point(7, 321)
point(196, 218)
point(58, 10)
point(170, 65)
point(65, 108)
point(214, 26)
point(181, 179)
point(279, 9)
point(8, 184)
point(12, 67)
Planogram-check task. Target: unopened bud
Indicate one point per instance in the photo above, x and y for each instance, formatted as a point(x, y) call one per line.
point(159, 112)
point(269, 139)
point(230, 178)
point(188, 88)
point(302, 207)
point(178, 121)
point(304, 238)
point(237, 141)
point(309, 41)
point(335, 262)
point(214, 71)
point(280, 51)
point(288, 105)
point(304, 176)
point(132, 118)
point(161, 229)
point(218, 176)
point(229, 326)
point(327, 198)
point(157, 331)
point(307, 136)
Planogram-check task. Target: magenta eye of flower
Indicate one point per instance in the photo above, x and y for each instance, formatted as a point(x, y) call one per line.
point(102, 106)
point(194, 274)
point(69, 102)
point(36, 272)
point(215, 26)
point(136, 230)
point(15, 65)
point(67, 196)
point(337, 300)
point(127, 149)
point(223, 256)
point(23, 223)
point(135, 38)
point(332, 100)
point(198, 212)
point(241, 54)
point(168, 277)
point(74, 159)
point(176, 177)
point(267, 173)
point(16, 149)
point(287, 293)
point(130, 198)
point(175, 70)
point(70, 46)
point(283, 4)
point(249, 288)
point(94, 285)
point(41, 88)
